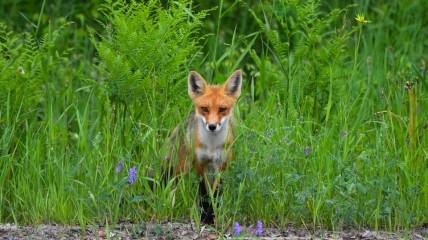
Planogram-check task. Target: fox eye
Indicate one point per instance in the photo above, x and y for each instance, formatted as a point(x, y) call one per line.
point(204, 109)
point(222, 109)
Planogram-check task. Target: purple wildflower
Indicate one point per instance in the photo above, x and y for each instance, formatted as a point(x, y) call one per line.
point(307, 150)
point(132, 175)
point(119, 167)
point(237, 229)
point(259, 228)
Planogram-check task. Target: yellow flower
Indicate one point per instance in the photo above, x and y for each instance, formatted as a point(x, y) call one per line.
point(360, 18)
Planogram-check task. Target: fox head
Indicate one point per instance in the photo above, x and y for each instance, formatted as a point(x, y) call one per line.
point(214, 103)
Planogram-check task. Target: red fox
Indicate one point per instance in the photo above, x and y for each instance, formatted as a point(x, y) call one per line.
point(205, 141)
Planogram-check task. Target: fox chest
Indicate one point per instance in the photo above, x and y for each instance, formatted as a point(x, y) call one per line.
point(211, 150)
point(205, 155)
point(210, 160)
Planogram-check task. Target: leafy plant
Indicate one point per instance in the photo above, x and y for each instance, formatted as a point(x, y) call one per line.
point(147, 50)
point(309, 56)
point(20, 66)
point(24, 62)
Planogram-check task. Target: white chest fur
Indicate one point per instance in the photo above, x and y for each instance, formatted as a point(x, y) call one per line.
point(212, 152)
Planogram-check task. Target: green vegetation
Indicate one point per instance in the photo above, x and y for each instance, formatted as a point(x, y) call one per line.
point(332, 122)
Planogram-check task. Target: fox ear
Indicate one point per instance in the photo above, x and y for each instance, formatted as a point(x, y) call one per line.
point(233, 84)
point(196, 84)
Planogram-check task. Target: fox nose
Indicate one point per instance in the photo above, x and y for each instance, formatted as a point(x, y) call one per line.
point(212, 127)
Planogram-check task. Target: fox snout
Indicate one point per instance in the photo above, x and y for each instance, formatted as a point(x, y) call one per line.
point(213, 127)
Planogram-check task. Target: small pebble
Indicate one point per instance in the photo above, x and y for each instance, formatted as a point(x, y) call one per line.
point(211, 236)
point(102, 234)
point(367, 234)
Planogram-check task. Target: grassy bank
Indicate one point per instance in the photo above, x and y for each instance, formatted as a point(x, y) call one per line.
point(332, 122)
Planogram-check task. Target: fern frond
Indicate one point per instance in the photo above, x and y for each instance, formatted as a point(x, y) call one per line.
point(306, 49)
point(147, 48)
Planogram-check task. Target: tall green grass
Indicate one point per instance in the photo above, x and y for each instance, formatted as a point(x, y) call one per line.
point(332, 127)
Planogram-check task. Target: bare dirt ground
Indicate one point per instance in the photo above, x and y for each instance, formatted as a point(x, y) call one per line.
point(175, 230)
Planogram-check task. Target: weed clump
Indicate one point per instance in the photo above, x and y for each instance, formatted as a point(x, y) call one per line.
point(147, 49)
